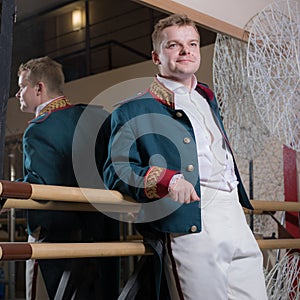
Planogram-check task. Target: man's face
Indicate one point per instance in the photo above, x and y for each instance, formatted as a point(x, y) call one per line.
point(27, 94)
point(178, 57)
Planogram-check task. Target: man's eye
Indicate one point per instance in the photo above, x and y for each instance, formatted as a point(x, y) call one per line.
point(172, 45)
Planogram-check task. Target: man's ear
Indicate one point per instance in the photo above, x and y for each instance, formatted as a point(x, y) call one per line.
point(39, 87)
point(155, 57)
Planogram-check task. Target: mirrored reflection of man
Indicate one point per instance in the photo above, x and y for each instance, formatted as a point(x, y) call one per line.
point(47, 147)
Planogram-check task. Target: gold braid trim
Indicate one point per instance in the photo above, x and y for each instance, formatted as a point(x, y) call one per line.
point(162, 92)
point(151, 182)
point(55, 104)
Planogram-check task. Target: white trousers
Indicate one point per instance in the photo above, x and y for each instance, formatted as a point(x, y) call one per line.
point(221, 262)
point(35, 286)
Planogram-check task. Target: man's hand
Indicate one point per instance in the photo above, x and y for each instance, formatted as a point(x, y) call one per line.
point(183, 191)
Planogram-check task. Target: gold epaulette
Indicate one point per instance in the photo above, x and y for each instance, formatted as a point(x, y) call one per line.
point(162, 93)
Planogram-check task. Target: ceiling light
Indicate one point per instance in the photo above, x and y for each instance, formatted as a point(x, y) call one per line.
point(76, 19)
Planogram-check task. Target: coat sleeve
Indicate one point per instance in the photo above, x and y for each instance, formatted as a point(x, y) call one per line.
point(125, 169)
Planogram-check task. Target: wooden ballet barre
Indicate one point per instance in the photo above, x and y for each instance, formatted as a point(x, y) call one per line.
point(279, 243)
point(25, 190)
point(24, 195)
point(69, 206)
point(263, 205)
point(107, 198)
point(17, 221)
point(259, 205)
point(124, 206)
point(24, 251)
point(48, 205)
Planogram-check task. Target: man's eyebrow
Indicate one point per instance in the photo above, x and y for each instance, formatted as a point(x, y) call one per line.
point(176, 41)
point(172, 41)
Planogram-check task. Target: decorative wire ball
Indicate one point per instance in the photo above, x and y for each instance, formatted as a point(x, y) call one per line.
point(246, 131)
point(283, 279)
point(273, 64)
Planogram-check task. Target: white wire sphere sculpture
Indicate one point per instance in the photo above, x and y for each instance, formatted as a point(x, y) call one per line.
point(247, 133)
point(282, 281)
point(273, 64)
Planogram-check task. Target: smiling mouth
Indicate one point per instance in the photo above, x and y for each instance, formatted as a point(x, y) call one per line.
point(185, 61)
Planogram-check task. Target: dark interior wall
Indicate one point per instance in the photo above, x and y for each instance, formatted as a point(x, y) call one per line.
point(118, 35)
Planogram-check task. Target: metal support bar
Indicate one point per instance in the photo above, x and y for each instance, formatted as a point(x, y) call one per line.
point(6, 38)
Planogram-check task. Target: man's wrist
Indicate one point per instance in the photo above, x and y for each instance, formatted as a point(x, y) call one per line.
point(174, 180)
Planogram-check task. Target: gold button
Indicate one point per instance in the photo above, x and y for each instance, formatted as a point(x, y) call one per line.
point(193, 228)
point(178, 114)
point(186, 140)
point(190, 168)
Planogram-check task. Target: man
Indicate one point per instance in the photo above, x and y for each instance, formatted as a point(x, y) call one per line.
point(168, 150)
point(48, 147)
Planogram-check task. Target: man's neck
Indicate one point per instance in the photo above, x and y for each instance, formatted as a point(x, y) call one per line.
point(187, 82)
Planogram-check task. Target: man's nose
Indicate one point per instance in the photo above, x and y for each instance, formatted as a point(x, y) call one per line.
point(18, 94)
point(184, 50)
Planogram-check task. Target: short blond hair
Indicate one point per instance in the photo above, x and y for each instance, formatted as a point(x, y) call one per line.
point(44, 69)
point(172, 20)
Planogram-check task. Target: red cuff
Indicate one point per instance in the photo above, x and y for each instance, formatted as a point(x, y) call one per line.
point(157, 182)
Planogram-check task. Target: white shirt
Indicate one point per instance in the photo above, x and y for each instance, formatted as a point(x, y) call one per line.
point(216, 167)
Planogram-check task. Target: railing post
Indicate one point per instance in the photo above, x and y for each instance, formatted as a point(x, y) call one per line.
point(6, 39)
point(87, 39)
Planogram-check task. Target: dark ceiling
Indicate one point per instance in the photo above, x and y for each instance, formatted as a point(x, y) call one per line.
point(119, 35)
point(31, 8)
point(28, 8)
